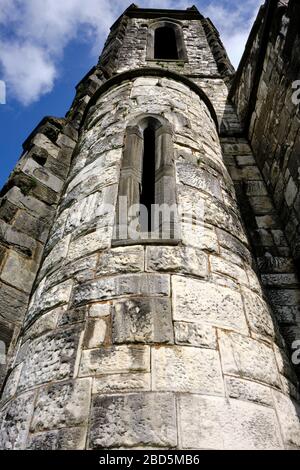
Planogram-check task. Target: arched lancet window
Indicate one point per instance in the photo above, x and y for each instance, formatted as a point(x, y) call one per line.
point(166, 41)
point(165, 44)
point(147, 192)
point(147, 200)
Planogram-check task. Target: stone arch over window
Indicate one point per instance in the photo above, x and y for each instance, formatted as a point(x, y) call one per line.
point(147, 179)
point(166, 41)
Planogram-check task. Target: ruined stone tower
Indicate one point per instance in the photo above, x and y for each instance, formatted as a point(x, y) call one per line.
point(181, 334)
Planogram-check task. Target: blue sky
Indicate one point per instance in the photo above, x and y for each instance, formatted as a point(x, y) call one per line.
point(47, 46)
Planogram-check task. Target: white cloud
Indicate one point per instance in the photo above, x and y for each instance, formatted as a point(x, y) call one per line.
point(28, 85)
point(39, 31)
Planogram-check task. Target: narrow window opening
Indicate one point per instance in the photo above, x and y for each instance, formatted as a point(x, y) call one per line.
point(165, 44)
point(147, 197)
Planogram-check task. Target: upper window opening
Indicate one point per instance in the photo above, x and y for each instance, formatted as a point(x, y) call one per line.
point(165, 44)
point(166, 41)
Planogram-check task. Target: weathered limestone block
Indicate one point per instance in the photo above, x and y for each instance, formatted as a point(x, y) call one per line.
point(42, 175)
point(41, 140)
point(81, 270)
point(280, 280)
point(259, 315)
point(249, 391)
point(221, 216)
point(69, 317)
point(115, 360)
point(51, 357)
point(142, 321)
point(199, 236)
point(289, 417)
point(32, 226)
point(118, 286)
point(13, 303)
point(151, 416)
point(96, 333)
point(254, 281)
point(57, 254)
point(186, 369)
point(121, 260)
point(84, 245)
point(284, 364)
point(17, 240)
point(198, 178)
point(176, 259)
point(220, 266)
point(57, 230)
point(285, 296)
point(100, 310)
point(62, 405)
point(100, 168)
point(65, 142)
point(193, 334)
point(233, 244)
point(16, 421)
point(203, 302)
point(248, 358)
point(11, 384)
point(87, 244)
point(29, 203)
point(89, 186)
point(216, 423)
point(88, 213)
point(62, 439)
point(57, 295)
point(44, 324)
point(122, 382)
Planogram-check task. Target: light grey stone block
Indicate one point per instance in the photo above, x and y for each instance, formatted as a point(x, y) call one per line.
point(193, 334)
point(289, 418)
point(51, 357)
point(118, 286)
point(248, 358)
point(203, 302)
point(14, 430)
point(115, 360)
point(18, 271)
point(122, 382)
point(177, 259)
point(216, 423)
point(62, 405)
point(152, 421)
point(121, 260)
point(186, 369)
point(249, 391)
point(61, 439)
point(142, 321)
point(260, 318)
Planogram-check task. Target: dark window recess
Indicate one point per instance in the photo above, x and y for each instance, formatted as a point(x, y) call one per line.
point(165, 44)
point(147, 197)
point(297, 266)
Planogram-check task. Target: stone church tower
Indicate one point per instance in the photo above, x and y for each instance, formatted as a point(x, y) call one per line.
point(175, 332)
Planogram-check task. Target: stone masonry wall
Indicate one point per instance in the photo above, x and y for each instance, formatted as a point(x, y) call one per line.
point(269, 245)
point(275, 118)
point(149, 346)
point(27, 209)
